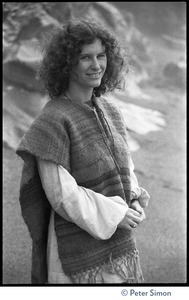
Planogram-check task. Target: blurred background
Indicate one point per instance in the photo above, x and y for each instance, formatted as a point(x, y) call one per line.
point(153, 104)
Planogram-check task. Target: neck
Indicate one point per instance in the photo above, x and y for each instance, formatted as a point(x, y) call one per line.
point(81, 95)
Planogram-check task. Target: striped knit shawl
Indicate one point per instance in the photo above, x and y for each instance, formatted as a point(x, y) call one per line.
point(93, 148)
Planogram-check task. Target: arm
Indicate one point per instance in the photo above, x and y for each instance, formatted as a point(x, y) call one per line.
point(138, 192)
point(140, 196)
point(93, 212)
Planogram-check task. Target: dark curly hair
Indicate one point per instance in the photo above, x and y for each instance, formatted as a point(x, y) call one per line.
point(61, 53)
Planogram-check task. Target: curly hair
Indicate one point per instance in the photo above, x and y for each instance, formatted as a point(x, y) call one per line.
point(62, 51)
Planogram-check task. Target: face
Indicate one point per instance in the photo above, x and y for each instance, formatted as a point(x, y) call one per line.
point(91, 67)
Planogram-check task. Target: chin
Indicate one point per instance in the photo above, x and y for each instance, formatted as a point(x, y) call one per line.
point(96, 84)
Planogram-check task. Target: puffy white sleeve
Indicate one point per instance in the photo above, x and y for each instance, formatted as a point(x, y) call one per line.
point(138, 192)
point(93, 212)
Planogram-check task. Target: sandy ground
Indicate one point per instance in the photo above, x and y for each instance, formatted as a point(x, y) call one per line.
point(160, 168)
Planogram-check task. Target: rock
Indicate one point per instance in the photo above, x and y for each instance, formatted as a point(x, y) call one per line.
point(175, 74)
point(156, 18)
point(20, 108)
point(16, 123)
point(174, 43)
point(23, 27)
point(20, 74)
point(25, 23)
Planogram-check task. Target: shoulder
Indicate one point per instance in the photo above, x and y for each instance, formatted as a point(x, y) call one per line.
point(55, 112)
point(47, 135)
point(49, 121)
point(109, 105)
point(56, 108)
point(113, 111)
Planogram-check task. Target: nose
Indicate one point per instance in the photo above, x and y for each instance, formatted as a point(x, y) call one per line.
point(95, 64)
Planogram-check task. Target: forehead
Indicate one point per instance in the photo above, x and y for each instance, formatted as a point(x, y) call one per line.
point(94, 47)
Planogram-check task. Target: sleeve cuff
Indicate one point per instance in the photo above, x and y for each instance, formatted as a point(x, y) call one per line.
point(143, 197)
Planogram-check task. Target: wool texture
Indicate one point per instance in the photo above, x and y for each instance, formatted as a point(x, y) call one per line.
point(91, 144)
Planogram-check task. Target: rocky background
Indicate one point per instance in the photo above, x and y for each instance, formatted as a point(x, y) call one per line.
point(153, 105)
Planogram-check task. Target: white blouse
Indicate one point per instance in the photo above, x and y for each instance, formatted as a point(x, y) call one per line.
point(85, 208)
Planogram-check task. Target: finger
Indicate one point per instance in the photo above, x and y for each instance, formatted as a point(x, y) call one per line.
point(136, 219)
point(133, 225)
point(143, 216)
point(129, 227)
point(136, 213)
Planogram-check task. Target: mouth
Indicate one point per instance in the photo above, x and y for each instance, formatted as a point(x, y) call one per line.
point(95, 75)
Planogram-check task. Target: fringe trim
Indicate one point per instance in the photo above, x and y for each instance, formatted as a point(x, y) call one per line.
point(127, 266)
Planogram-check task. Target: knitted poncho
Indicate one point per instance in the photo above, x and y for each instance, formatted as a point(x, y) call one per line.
point(92, 146)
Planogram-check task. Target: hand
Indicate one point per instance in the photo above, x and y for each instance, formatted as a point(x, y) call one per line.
point(131, 220)
point(136, 206)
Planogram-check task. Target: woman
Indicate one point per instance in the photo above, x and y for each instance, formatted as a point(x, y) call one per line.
point(79, 196)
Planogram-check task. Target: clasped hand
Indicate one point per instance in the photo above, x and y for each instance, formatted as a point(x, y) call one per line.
point(133, 217)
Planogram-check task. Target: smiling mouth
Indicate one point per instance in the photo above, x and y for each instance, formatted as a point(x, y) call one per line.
point(95, 75)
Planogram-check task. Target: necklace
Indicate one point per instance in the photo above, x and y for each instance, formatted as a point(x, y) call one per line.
point(68, 97)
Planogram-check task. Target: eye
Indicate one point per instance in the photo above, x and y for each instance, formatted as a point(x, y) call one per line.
point(102, 55)
point(85, 57)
